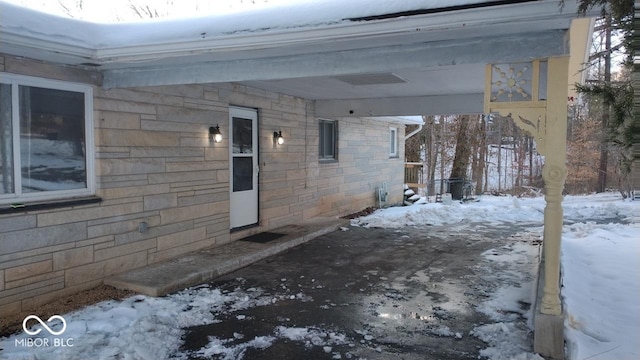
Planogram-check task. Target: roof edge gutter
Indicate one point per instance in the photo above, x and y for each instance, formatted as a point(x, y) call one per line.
point(413, 132)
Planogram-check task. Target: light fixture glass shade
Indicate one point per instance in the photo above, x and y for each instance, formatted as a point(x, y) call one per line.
point(215, 134)
point(277, 136)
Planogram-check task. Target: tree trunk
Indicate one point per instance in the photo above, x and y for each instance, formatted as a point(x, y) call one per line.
point(602, 167)
point(431, 153)
point(480, 149)
point(443, 151)
point(461, 159)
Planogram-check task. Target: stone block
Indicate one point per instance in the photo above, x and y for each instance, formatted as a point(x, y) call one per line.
point(1, 279)
point(196, 166)
point(275, 212)
point(11, 308)
point(15, 223)
point(102, 269)
point(166, 152)
point(41, 237)
point(123, 106)
point(182, 177)
point(141, 96)
point(131, 166)
point(130, 191)
point(188, 91)
point(89, 213)
point(27, 270)
point(104, 245)
point(38, 300)
point(117, 120)
point(35, 279)
point(117, 137)
point(160, 201)
point(216, 152)
point(180, 250)
point(25, 291)
point(73, 257)
point(152, 232)
point(187, 115)
point(204, 198)
point(158, 125)
point(95, 241)
point(121, 250)
point(181, 238)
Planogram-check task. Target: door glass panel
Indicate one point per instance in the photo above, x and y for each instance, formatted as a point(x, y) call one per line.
point(242, 173)
point(242, 136)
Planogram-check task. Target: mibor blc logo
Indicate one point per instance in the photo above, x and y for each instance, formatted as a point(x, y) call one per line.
point(44, 341)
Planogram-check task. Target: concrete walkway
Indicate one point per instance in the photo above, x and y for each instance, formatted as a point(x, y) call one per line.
point(406, 294)
point(195, 268)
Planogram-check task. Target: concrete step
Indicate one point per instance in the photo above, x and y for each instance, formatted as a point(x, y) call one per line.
point(204, 265)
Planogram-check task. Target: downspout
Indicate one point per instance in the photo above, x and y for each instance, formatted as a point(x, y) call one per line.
point(413, 132)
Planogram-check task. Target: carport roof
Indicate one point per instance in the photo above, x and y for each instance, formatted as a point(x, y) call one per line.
point(402, 57)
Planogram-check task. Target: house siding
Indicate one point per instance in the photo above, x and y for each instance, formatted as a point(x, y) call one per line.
point(154, 164)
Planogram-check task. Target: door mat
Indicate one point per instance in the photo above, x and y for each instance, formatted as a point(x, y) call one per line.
point(263, 237)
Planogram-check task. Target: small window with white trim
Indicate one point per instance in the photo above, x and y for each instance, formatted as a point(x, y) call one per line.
point(393, 142)
point(46, 139)
point(328, 144)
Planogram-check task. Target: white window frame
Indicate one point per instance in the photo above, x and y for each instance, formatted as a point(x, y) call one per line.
point(393, 142)
point(335, 142)
point(18, 197)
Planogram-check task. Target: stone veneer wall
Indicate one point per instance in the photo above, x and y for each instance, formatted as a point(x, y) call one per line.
point(154, 163)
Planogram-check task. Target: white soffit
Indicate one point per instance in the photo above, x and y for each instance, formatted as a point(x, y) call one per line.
point(371, 79)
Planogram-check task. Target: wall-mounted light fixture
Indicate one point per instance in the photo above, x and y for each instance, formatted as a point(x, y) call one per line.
point(214, 134)
point(277, 137)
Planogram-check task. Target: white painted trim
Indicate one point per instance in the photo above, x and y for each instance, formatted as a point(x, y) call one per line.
point(241, 205)
point(398, 106)
point(87, 90)
point(393, 141)
point(97, 46)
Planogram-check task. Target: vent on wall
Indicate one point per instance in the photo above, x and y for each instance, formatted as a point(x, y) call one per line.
point(371, 79)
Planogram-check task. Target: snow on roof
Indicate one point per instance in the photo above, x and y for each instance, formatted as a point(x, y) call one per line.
point(21, 21)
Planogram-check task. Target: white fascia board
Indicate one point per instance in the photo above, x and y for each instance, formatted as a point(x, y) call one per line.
point(21, 45)
point(132, 51)
point(402, 106)
point(345, 31)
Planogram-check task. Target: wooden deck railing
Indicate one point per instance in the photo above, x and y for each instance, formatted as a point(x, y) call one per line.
point(413, 174)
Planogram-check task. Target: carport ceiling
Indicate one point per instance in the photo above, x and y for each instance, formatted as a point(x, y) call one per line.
point(443, 80)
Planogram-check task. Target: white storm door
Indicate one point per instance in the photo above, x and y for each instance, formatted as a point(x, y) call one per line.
point(243, 163)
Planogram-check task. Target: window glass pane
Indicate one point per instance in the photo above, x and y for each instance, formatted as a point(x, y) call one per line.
point(52, 143)
point(328, 140)
point(242, 136)
point(6, 144)
point(321, 141)
point(242, 173)
point(392, 141)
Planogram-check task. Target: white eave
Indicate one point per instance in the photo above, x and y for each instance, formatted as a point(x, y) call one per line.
point(124, 45)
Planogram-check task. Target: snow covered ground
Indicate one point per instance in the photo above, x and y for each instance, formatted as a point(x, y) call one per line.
point(601, 270)
point(601, 287)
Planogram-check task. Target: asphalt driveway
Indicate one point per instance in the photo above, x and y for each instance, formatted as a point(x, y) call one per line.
point(413, 293)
